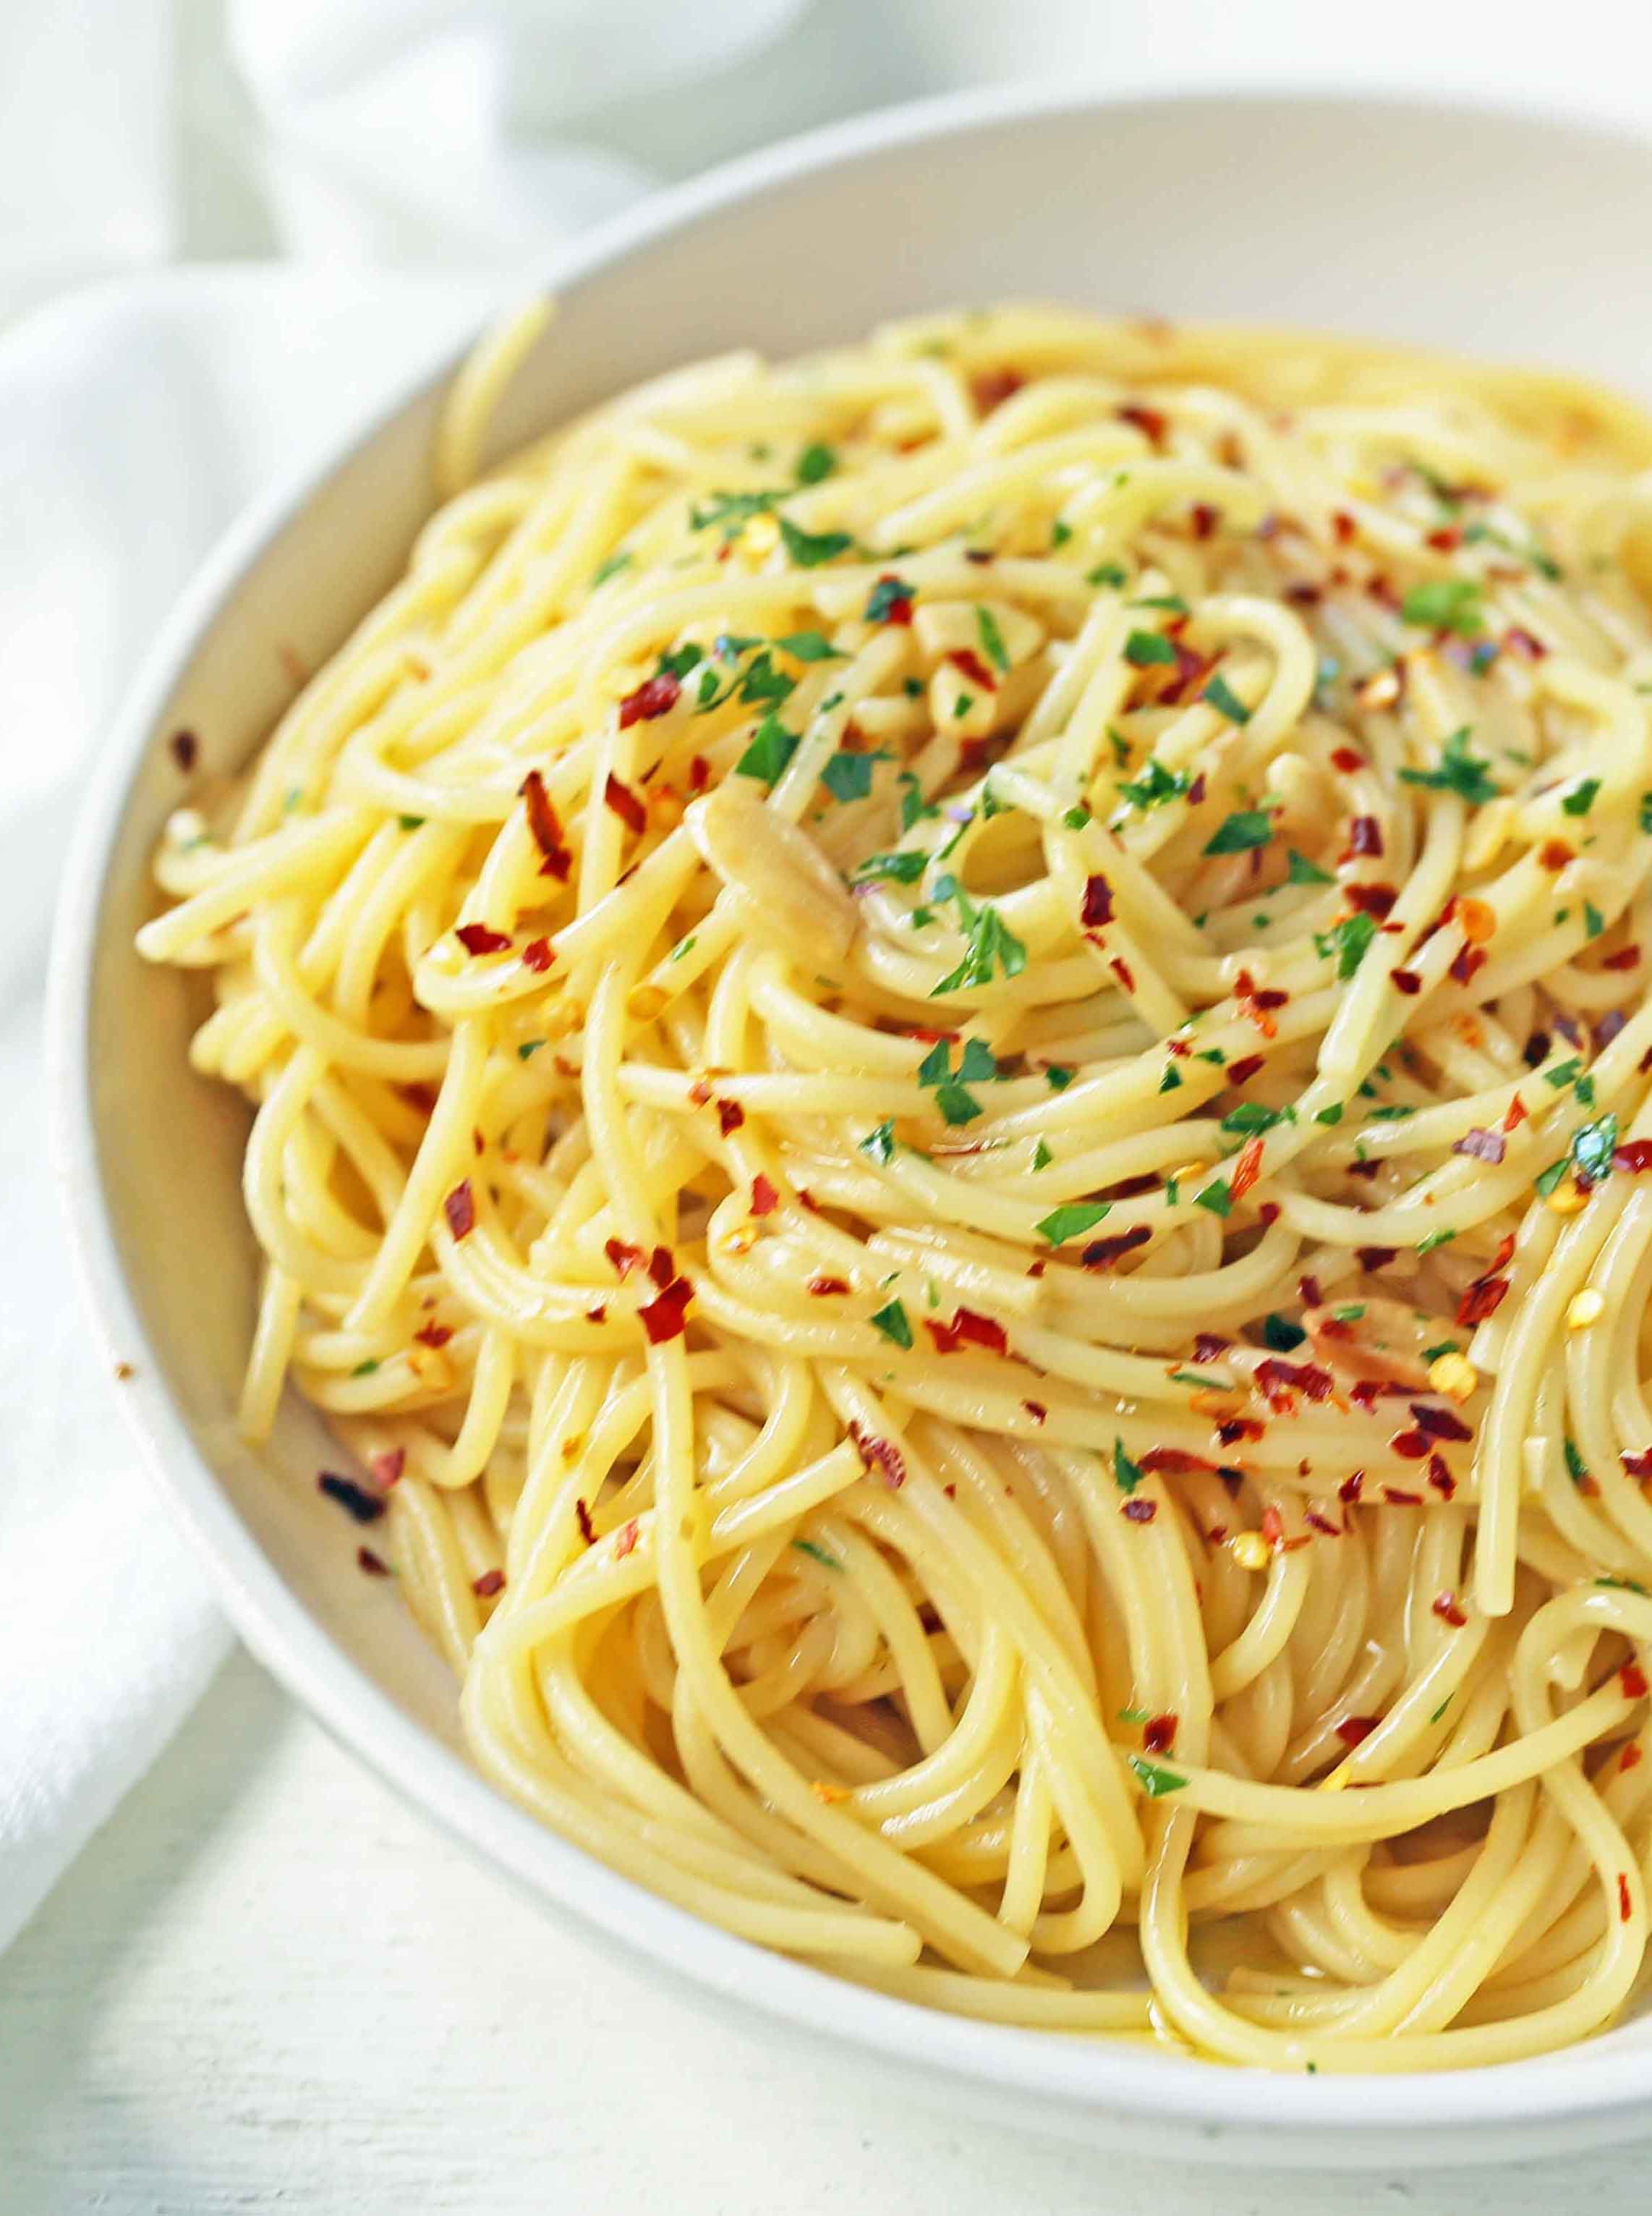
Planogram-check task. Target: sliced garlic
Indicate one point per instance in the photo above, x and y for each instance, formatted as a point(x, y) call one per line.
point(788, 890)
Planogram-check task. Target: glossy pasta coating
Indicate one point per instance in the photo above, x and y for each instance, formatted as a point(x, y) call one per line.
point(951, 1093)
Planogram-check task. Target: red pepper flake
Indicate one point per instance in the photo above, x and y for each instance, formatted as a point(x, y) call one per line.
point(1274, 1376)
point(387, 1466)
point(1375, 1257)
point(598, 1314)
point(1123, 972)
point(547, 831)
point(1363, 1169)
point(1518, 1112)
point(1397, 1498)
point(968, 663)
point(587, 1529)
point(656, 696)
point(1625, 1904)
point(1158, 1734)
point(1483, 1299)
point(1505, 1253)
point(1232, 1429)
point(625, 1539)
point(764, 1198)
point(972, 1328)
point(1268, 1214)
point(460, 1209)
point(433, 1335)
point(821, 1286)
point(1466, 962)
point(699, 774)
point(1350, 760)
point(1308, 1291)
point(663, 1318)
point(625, 803)
point(363, 1507)
point(1406, 980)
point(1140, 1511)
point(1516, 641)
point(536, 955)
point(1036, 1410)
point(1439, 1423)
point(625, 1256)
point(1098, 902)
point(477, 938)
point(489, 1583)
point(1632, 1678)
point(730, 1117)
point(1365, 836)
point(422, 1096)
point(1247, 1169)
point(1203, 518)
point(662, 1268)
point(1449, 1610)
point(1103, 1254)
point(1352, 1729)
point(1172, 1461)
point(1481, 1145)
point(990, 388)
point(1303, 595)
point(1208, 1347)
point(1554, 853)
point(1631, 1756)
point(1412, 1445)
point(1626, 958)
point(1343, 526)
point(1148, 421)
point(370, 1563)
point(185, 749)
point(1370, 899)
point(1352, 1486)
point(883, 1456)
point(1440, 1477)
point(1242, 1072)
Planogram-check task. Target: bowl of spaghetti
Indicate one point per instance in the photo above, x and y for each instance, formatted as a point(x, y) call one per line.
point(870, 1113)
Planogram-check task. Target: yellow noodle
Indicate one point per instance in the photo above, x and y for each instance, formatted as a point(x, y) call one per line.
point(950, 1079)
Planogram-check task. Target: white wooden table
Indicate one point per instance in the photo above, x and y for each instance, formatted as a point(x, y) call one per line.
point(269, 1986)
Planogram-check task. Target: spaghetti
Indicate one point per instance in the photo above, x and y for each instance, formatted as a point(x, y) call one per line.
point(952, 1094)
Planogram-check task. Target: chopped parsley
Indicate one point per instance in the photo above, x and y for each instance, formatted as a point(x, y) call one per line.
point(892, 1322)
point(1127, 1474)
point(809, 549)
point(1445, 604)
point(1251, 1115)
point(880, 1145)
point(976, 1065)
point(1155, 785)
point(884, 595)
point(1155, 1780)
point(849, 777)
point(1143, 648)
point(1071, 1220)
point(1107, 573)
point(992, 638)
point(771, 748)
point(1581, 797)
point(814, 462)
point(808, 646)
point(1279, 1333)
point(991, 946)
point(1348, 940)
point(1217, 1196)
point(1248, 828)
point(610, 567)
point(1056, 1078)
point(1226, 702)
point(808, 1547)
point(1457, 772)
point(1299, 871)
point(904, 867)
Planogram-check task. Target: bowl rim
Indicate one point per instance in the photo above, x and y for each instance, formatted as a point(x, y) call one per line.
point(1049, 2071)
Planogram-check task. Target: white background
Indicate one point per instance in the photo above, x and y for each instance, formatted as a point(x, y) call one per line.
point(266, 1986)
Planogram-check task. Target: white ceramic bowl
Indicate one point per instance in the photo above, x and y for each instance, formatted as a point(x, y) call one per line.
point(1484, 231)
